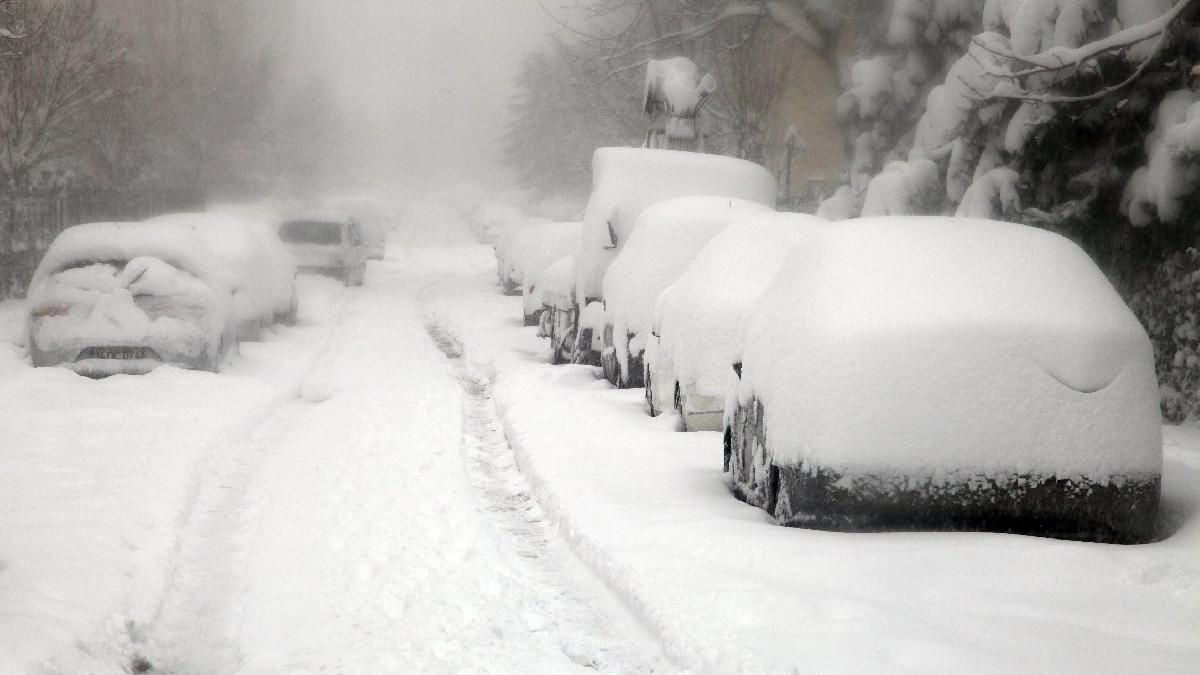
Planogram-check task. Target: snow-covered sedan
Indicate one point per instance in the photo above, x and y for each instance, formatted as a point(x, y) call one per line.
point(264, 269)
point(557, 321)
point(550, 242)
point(663, 241)
point(113, 298)
point(700, 319)
point(625, 181)
point(327, 243)
point(947, 373)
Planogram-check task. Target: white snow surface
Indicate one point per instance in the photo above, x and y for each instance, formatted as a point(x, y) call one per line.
point(558, 283)
point(322, 507)
point(664, 241)
point(627, 180)
point(924, 343)
point(701, 317)
point(727, 591)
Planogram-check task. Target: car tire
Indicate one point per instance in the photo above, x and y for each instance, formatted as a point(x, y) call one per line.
point(650, 396)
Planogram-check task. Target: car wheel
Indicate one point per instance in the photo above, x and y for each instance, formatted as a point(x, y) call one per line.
point(772, 503)
point(679, 407)
point(650, 396)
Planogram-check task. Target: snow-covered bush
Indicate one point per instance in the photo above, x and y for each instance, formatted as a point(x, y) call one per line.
point(1169, 308)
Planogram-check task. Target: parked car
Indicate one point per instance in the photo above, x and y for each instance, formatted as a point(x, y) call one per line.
point(372, 217)
point(700, 319)
point(627, 180)
point(914, 373)
point(663, 241)
point(508, 251)
point(262, 265)
point(113, 298)
point(557, 321)
point(551, 242)
point(327, 243)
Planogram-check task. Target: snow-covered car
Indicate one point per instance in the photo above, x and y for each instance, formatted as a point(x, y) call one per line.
point(508, 255)
point(552, 242)
point(914, 373)
point(627, 180)
point(113, 298)
point(264, 270)
point(327, 243)
point(372, 217)
point(662, 243)
point(700, 319)
point(557, 320)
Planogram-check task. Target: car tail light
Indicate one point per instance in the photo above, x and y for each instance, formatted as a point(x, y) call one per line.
point(55, 309)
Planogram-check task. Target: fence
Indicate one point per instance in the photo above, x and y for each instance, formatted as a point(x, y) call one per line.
point(30, 221)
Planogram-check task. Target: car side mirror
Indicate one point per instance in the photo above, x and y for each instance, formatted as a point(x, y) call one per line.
point(737, 369)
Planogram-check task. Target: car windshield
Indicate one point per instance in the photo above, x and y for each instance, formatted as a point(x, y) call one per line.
point(311, 232)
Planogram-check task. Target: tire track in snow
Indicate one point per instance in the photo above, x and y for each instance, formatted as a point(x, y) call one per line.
point(196, 625)
point(585, 630)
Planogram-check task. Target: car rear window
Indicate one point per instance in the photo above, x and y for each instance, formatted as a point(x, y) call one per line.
point(311, 232)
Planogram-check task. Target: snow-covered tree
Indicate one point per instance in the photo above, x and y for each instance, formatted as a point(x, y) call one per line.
point(1031, 110)
point(51, 81)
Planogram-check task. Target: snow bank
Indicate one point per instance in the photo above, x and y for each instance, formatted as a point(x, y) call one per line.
point(929, 344)
point(627, 180)
point(664, 240)
point(701, 318)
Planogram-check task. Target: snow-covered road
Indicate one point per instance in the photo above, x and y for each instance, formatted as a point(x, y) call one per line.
point(340, 500)
point(344, 499)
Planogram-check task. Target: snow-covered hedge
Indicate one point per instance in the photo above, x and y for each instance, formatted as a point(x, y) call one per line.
point(1169, 308)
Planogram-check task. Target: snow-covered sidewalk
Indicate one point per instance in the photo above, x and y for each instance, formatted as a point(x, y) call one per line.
point(728, 591)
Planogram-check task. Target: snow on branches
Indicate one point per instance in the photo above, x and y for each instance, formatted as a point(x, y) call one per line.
point(980, 107)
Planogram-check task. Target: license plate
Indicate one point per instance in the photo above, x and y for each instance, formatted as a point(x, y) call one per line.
point(115, 353)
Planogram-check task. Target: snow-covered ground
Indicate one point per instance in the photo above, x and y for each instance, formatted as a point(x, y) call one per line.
point(344, 498)
point(728, 591)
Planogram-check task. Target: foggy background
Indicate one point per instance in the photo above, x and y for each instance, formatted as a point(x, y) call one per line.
point(424, 87)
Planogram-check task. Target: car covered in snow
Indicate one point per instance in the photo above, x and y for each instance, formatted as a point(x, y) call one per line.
point(508, 251)
point(550, 242)
point(557, 320)
point(947, 373)
point(700, 319)
point(372, 217)
point(662, 243)
point(261, 264)
point(327, 243)
point(625, 181)
point(111, 298)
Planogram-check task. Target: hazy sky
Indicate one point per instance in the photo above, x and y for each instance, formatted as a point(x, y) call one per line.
point(427, 81)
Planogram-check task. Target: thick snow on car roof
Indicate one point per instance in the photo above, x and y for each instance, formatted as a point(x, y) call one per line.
point(923, 341)
point(702, 315)
point(627, 180)
point(176, 244)
point(665, 239)
point(558, 280)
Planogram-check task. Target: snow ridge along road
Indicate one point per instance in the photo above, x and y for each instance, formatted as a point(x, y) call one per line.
point(584, 629)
